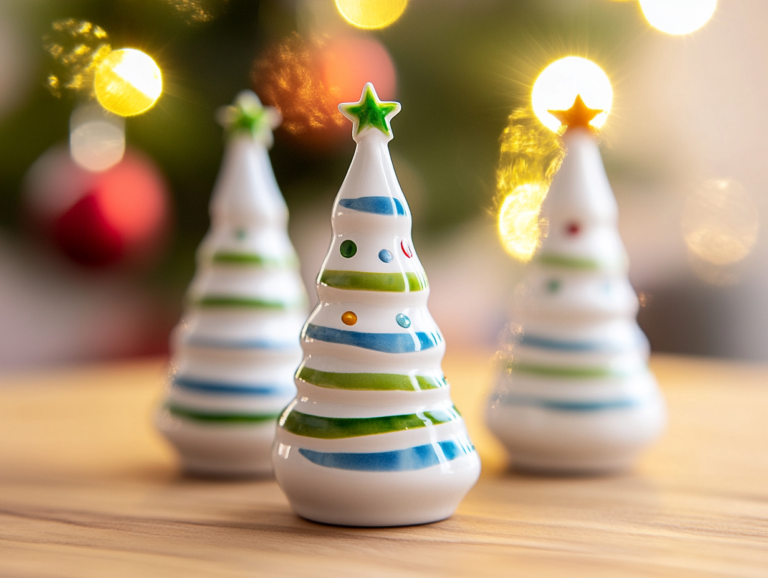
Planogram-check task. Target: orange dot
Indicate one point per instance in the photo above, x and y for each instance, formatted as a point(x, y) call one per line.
point(349, 318)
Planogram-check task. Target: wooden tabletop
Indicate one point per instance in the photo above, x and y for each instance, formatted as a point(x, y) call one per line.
point(88, 489)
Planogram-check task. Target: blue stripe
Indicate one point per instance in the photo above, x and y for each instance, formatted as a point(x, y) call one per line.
point(376, 205)
point(387, 342)
point(241, 344)
point(560, 345)
point(416, 458)
point(229, 389)
point(572, 406)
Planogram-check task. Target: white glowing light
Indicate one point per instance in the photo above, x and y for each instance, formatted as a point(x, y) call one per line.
point(678, 16)
point(558, 85)
point(96, 139)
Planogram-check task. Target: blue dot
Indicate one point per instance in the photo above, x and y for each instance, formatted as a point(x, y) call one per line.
point(385, 255)
point(403, 320)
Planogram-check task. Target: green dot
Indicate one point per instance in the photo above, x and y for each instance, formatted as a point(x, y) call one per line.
point(554, 286)
point(348, 249)
point(241, 234)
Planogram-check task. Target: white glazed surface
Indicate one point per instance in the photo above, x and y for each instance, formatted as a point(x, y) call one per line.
point(235, 359)
point(394, 475)
point(575, 394)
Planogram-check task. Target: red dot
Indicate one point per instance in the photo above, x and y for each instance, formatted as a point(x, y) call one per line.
point(406, 247)
point(573, 228)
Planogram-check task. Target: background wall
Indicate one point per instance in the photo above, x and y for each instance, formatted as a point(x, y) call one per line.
point(687, 111)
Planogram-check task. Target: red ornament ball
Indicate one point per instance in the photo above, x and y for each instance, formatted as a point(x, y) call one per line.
point(103, 219)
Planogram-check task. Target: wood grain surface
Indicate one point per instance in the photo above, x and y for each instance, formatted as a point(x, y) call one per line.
point(87, 489)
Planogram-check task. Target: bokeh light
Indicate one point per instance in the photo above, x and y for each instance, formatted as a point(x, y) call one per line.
point(197, 11)
point(307, 79)
point(371, 14)
point(530, 156)
point(96, 138)
point(678, 16)
point(558, 85)
point(77, 47)
point(128, 82)
point(720, 222)
point(519, 226)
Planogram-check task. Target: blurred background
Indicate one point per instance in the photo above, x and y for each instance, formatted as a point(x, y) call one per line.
point(100, 215)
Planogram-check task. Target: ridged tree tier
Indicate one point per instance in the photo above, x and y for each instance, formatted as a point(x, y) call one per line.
point(236, 348)
point(372, 437)
point(575, 393)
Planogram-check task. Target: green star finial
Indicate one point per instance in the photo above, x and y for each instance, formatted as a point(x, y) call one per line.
point(248, 115)
point(370, 112)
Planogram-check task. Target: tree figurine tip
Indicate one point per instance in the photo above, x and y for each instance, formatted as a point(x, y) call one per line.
point(370, 112)
point(578, 116)
point(248, 115)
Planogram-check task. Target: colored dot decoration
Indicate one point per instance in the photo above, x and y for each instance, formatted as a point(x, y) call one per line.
point(403, 320)
point(348, 249)
point(406, 247)
point(385, 255)
point(348, 318)
point(573, 228)
point(241, 234)
point(554, 286)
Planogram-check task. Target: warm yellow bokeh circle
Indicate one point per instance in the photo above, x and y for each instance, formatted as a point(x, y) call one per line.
point(371, 14)
point(557, 86)
point(128, 82)
point(678, 16)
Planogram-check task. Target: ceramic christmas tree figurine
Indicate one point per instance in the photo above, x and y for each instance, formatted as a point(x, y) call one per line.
point(236, 348)
point(372, 438)
point(577, 395)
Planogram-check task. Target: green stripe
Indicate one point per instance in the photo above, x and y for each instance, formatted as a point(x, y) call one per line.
point(232, 258)
point(249, 302)
point(316, 426)
point(370, 381)
point(572, 372)
point(570, 262)
point(356, 280)
point(222, 418)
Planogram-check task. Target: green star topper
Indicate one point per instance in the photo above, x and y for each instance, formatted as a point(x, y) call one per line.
point(248, 115)
point(370, 112)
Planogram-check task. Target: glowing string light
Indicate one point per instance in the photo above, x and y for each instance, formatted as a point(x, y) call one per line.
point(530, 157)
point(558, 85)
point(678, 16)
point(128, 82)
point(371, 14)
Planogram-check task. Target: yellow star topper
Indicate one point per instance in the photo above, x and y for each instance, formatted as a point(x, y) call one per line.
point(579, 115)
point(369, 112)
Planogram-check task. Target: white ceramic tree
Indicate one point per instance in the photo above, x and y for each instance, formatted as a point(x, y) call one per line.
point(372, 437)
point(576, 395)
point(236, 348)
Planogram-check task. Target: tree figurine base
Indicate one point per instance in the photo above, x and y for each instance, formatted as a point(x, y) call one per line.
point(219, 452)
point(553, 442)
point(376, 499)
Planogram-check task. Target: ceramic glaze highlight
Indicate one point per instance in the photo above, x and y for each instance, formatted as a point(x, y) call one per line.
point(372, 437)
point(236, 348)
point(575, 394)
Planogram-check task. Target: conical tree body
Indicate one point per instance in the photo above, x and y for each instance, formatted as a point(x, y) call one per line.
point(576, 394)
point(235, 351)
point(372, 437)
